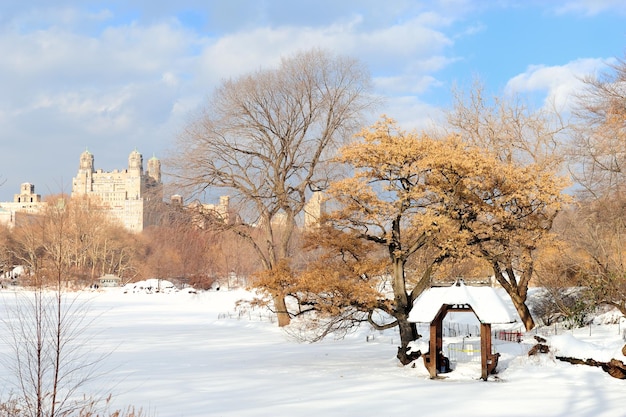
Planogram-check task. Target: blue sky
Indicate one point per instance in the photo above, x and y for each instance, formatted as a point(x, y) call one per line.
point(114, 76)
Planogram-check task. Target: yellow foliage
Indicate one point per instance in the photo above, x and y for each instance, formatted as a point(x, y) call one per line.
point(456, 193)
point(442, 197)
point(343, 272)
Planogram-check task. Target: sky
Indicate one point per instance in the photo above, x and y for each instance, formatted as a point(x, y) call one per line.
point(122, 75)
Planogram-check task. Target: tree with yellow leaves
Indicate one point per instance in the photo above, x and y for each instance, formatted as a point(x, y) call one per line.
point(525, 199)
point(502, 213)
point(412, 193)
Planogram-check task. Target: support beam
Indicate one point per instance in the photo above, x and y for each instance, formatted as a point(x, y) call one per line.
point(489, 361)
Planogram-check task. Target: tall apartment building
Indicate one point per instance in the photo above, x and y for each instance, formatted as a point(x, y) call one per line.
point(129, 195)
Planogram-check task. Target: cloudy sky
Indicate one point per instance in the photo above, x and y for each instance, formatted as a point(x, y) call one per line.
point(114, 76)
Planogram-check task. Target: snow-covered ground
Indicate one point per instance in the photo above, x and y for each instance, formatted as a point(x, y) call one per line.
point(181, 354)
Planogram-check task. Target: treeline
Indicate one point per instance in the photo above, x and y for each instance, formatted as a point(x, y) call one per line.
point(73, 241)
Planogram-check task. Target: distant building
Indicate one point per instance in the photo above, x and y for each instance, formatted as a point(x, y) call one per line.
point(204, 213)
point(130, 195)
point(7, 217)
point(313, 210)
point(134, 197)
point(109, 280)
point(26, 202)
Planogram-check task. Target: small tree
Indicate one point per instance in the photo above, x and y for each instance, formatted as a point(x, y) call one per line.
point(595, 236)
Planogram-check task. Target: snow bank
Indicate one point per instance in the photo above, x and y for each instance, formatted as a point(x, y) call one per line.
point(569, 346)
point(154, 285)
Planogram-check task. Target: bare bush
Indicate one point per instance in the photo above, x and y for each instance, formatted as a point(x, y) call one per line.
point(50, 363)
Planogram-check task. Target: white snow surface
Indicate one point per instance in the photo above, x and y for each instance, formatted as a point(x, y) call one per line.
point(187, 354)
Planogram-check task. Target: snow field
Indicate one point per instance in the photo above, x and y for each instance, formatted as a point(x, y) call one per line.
point(173, 356)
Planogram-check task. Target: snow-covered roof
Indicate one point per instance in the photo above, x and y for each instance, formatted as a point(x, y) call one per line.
point(485, 302)
point(110, 276)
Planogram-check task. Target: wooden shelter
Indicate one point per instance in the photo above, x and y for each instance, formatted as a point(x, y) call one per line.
point(435, 303)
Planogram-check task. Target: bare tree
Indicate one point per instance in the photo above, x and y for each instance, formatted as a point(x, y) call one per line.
point(7, 254)
point(593, 252)
point(509, 128)
point(92, 244)
point(266, 137)
point(178, 251)
point(594, 229)
point(598, 150)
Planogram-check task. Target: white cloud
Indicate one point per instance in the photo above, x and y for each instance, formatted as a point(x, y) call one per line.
point(81, 77)
point(558, 84)
point(592, 7)
point(403, 84)
point(405, 54)
point(412, 113)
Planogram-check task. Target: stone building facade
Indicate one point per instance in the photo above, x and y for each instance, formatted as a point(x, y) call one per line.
point(134, 197)
point(130, 195)
point(314, 208)
point(204, 213)
point(26, 202)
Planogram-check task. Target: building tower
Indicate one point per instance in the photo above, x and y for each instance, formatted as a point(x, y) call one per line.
point(154, 169)
point(129, 195)
point(135, 162)
point(313, 210)
point(27, 194)
point(86, 161)
point(82, 181)
point(27, 202)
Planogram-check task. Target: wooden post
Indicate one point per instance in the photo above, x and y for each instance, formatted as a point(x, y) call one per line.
point(432, 360)
point(433, 346)
point(486, 358)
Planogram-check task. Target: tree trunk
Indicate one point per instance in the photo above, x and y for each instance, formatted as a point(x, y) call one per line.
point(519, 302)
point(281, 311)
point(407, 335)
point(402, 307)
point(517, 293)
point(523, 311)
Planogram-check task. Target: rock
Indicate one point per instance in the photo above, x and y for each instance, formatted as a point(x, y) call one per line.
point(540, 339)
point(538, 348)
point(624, 350)
point(615, 368)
